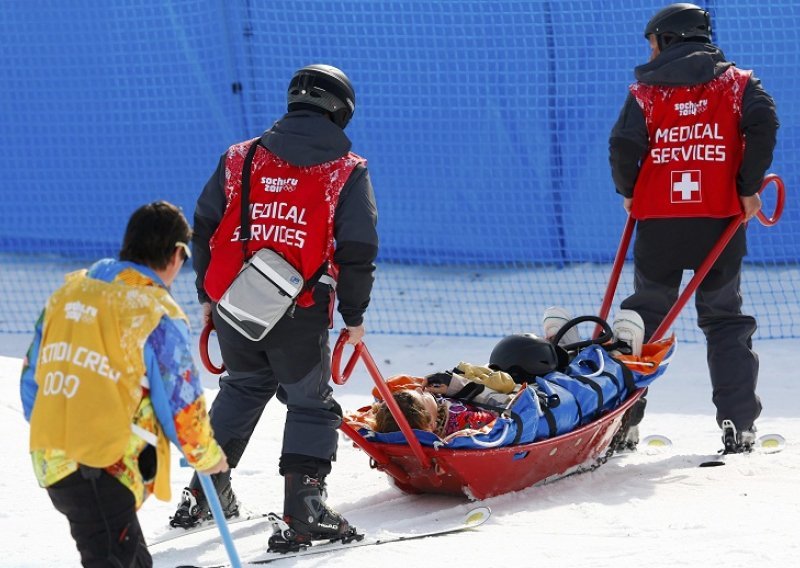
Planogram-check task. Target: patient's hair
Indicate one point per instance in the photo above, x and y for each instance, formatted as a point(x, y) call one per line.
point(411, 407)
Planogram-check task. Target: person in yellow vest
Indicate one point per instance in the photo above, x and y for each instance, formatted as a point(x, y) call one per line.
point(108, 381)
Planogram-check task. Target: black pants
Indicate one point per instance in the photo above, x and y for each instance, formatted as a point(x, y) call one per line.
point(102, 519)
point(732, 363)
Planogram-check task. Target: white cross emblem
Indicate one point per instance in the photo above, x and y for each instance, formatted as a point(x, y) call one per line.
point(686, 184)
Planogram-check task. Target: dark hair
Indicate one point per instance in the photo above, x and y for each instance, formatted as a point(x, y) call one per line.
point(411, 408)
point(153, 232)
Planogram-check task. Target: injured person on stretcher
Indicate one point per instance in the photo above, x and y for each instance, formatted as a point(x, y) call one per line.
point(446, 403)
point(531, 389)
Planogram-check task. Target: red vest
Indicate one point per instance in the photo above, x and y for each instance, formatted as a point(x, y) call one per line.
point(695, 151)
point(291, 212)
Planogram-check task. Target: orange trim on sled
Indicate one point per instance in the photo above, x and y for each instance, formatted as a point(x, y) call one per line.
point(652, 356)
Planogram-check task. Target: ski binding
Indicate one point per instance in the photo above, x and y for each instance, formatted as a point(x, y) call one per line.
point(284, 538)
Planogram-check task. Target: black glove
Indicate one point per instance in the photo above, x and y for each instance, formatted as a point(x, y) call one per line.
point(441, 378)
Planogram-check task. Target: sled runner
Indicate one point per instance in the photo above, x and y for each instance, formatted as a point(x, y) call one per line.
point(483, 473)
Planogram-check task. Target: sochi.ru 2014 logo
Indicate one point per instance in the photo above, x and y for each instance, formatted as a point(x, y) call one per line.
point(690, 108)
point(76, 311)
point(278, 184)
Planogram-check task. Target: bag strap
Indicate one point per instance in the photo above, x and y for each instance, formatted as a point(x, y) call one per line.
point(244, 220)
point(320, 272)
point(244, 229)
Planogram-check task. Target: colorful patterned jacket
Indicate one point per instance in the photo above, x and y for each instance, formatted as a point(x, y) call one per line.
point(109, 380)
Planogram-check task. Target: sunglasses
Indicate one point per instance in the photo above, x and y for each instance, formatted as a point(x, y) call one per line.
point(187, 253)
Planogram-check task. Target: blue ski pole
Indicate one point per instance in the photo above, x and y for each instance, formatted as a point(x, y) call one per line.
point(219, 516)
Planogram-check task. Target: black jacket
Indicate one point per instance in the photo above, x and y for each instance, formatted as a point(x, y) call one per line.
point(306, 138)
point(666, 244)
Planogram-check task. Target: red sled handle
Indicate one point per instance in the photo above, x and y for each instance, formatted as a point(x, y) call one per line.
point(704, 268)
point(340, 378)
point(616, 270)
point(780, 195)
point(360, 351)
point(203, 348)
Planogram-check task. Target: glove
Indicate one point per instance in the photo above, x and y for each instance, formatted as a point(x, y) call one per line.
point(495, 380)
point(442, 378)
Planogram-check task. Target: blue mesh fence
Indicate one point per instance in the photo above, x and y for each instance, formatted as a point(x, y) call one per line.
point(485, 125)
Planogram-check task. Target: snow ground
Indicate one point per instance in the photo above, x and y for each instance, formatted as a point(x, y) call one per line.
point(645, 509)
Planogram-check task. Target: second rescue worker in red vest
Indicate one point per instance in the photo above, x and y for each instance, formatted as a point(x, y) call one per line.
point(689, 152)
point(311, 200)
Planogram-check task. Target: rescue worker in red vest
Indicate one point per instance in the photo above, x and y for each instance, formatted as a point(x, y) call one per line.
point(688, 153)
point(311, 200)
point(108, 381)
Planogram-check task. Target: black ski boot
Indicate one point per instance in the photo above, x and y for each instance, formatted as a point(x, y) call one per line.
point(627, 442)
point(193, 508)
point(737, 441)
point(627, 439)
point(306, 516)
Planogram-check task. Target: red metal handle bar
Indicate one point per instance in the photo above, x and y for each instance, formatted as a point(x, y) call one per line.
point(361, 351)
point(203, 347)
point(713, 255)
point(336, 358)
point(781, 198)
point(616, 269)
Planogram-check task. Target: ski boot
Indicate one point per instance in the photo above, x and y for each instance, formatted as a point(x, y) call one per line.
point(306, 517)
point(628, 332)
point(554, 318)
point(628, 442)
point(193, 508)
point(737, 442)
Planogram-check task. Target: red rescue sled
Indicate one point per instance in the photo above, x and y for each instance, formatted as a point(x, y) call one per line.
point(479, 474)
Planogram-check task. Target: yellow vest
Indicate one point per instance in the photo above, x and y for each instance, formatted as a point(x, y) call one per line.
point(91, 369)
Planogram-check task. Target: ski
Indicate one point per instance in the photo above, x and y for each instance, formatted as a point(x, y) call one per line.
point(472, 519)
point(770, 443)
point(766, 444)
point(655, 442)
point(178, 532)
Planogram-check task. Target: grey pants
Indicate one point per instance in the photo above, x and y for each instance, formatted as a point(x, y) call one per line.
point(732, 363)
point(293, 361)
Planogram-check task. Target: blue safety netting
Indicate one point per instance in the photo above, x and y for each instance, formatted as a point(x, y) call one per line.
point(485, 125)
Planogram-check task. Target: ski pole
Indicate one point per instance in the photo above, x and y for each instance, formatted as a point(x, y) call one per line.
point(219, 517)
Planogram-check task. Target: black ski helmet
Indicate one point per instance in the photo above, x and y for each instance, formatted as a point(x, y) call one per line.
point(679, 22)
point(526, 355)
point(323, 87)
